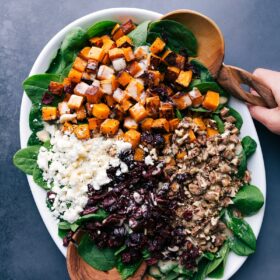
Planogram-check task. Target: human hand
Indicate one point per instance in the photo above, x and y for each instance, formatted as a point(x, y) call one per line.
point(268, 117)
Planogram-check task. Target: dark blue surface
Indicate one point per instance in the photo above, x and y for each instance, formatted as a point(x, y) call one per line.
point(251, 30)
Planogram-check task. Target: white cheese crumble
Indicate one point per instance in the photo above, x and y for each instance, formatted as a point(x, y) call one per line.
point(71, 164)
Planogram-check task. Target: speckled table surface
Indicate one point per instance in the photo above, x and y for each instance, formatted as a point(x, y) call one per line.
point(251, 30)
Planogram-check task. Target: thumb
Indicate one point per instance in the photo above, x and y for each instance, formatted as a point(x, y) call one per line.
point(268, 117)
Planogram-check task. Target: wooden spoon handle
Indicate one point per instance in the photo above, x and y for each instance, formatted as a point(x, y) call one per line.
point(231, 78)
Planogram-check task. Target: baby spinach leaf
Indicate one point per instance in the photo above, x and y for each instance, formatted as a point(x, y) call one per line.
point(146, 254)
point(209, 256)
point(220, 124)
point(242, 167)
point(204, 73)
point(35, 86)
point(26, 159)
point(178, 36)
point(64, 225)
point(202, 269)
point(100, 28)
point(62, 232)
point(38, 178)
point(33, 140)
point(139, 34)
point(127, 270)
point(239, 247)
point(71, 45)
point(178, 114)
point(237, 116)
point(35, 118)
point(249, 200)
point(183, 271)
point(241, 229)
point(100, 259)
point(171, 275)
point(100, 215)
point(249, 145)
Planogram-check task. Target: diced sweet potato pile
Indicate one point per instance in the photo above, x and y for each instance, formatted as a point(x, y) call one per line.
point(121, 91)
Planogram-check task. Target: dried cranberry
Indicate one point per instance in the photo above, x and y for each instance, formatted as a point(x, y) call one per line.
point(187, 215)
point(47, 98)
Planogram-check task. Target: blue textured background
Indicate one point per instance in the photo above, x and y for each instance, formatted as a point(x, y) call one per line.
point(251, 30)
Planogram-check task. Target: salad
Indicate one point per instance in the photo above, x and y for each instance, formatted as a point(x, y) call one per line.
point(137, 148)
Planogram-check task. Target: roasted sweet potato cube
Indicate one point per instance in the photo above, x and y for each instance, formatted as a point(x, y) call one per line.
point(184, 78)
point(94, 124)
point(166, 110)
point(93, 94)
point(152, 106)
point(89, 107)
point(106, 59)
point(138, 112)
point(154, 61)
point(125, 105)
point(128, 54)
point(63, 108)
point(107, 44)
point(196, 97)
point(110, 100)
point(105, 72)
point(116, 53)
point(133, 137)
point(117, 113)
point(141, 52)
point(180, 61)
point(155, 76)
point(116, 27)
point(192, 136)
point(157, 46)
point(117, 34)
point(75, 76)
point(134, 89)
point(211, 132)
point(173, 124)
point(88, 76)
point(160, 125)
point(67, 97)
point(81, 113)
point(172, 73)
point(173, 59)
point(81, 88)
point(67, 127)
point(92, 65)
point(56, 88)
point(130, 123)
point(49, 113)
point(82, 131)
point(84, 53)
point(75, 101)
point(166, 54)
point(119, 95)
point(200, 123)
point(167, 138)
point(96, 41)
point(181, 100)
point(124, 41)
point(211, 100)
point(146, 124)
point(124, 78)
point(101, 111)
point(127, 26)
point(134, 68)
point(80, 64)
point(181, 155)
point(96, 53)
point(110, 127)
point(139, 154)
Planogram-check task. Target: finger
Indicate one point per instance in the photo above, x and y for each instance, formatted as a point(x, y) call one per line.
point(271, 79)
point(268, 117)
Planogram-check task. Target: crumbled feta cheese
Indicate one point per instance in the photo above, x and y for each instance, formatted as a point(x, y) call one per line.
point(149, 160)
point(70, 165)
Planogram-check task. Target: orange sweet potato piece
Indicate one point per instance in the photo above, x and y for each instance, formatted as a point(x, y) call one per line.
point(160, 125)
point(211, 100)
point(192, 136)
point(138, 112)
point(93, 94)
point(56, 88)
point(173, 124)
point(84, 52)
point(80, 64)
point(184, 78)
point(128, 54)
point(139, 154)
point(157, 46)
point(101, 111)
point(49, 113)
point(96, 41)
point(110, 127)
point(96, 53)
point(199, 122)
point(124, 78)
point(110, 100)
point(211, 132)
point(152, 106)
point(181, 155)
point(81, 113)
point(146, 124)
point(133, 137)
point(166, 110)
point(94, 124)
point(167, 138)
point(82, 131)
point(124, 41)
point(75, 75)
point(134, 68)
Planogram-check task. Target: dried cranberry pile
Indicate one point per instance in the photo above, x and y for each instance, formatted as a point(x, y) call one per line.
point(140, 207)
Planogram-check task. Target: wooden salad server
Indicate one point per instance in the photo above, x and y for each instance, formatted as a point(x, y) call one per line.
point(211, 49)
point(78, 269)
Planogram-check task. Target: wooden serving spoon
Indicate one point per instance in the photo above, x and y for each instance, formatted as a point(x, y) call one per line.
point(211, 50)
point(78, 269)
